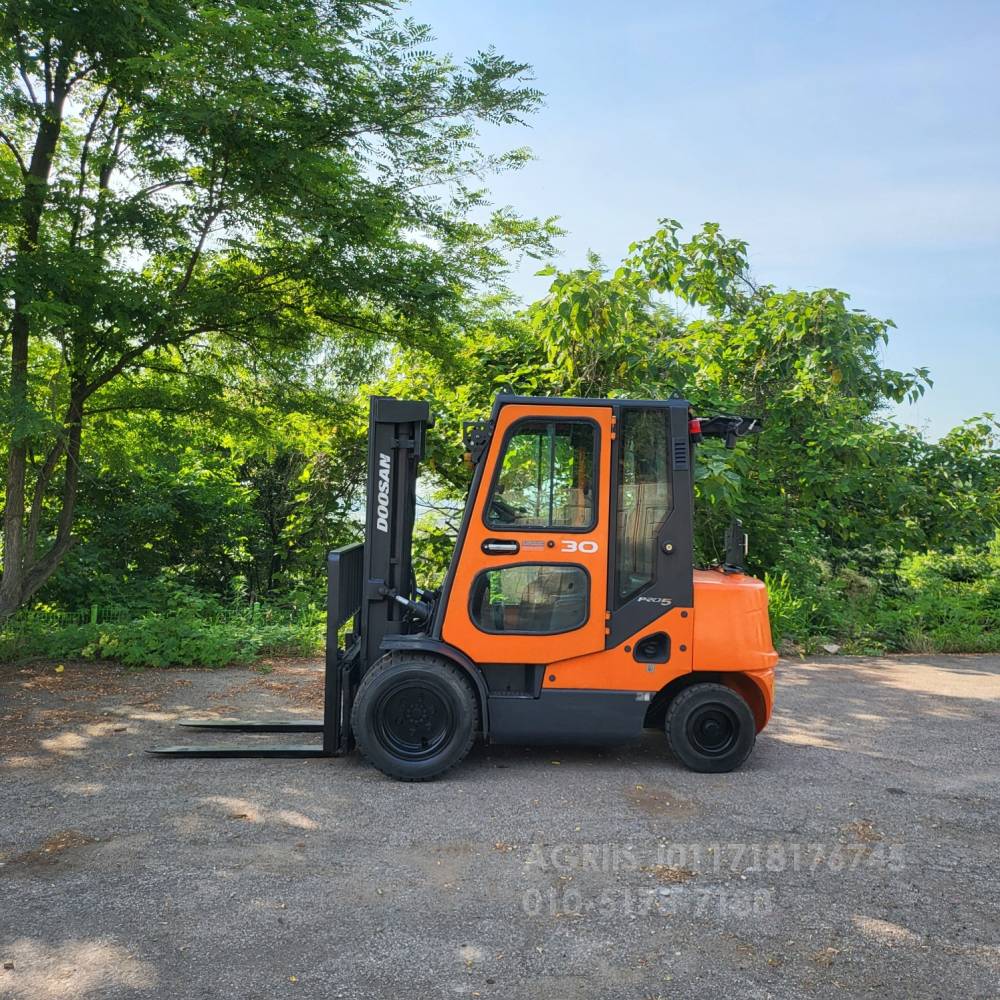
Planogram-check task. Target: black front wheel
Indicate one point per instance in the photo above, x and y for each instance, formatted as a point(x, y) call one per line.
point(414, 716)
point(710, 728)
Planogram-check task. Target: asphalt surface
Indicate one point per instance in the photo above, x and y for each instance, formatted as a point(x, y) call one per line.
point(855, 854)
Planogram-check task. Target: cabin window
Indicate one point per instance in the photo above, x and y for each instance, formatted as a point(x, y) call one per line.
point(643, 498)
point(531, 598)
point(546, 477)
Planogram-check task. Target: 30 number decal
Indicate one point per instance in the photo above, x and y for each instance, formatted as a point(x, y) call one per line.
point(572, 545)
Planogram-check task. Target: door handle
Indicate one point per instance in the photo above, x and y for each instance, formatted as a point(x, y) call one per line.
point(501, 547)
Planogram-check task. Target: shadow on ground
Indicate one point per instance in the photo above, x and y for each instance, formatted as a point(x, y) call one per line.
point(855, 853)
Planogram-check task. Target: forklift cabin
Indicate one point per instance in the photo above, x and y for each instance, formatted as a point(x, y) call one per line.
point(571, 612)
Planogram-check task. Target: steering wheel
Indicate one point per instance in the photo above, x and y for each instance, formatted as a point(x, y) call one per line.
point(502, 511)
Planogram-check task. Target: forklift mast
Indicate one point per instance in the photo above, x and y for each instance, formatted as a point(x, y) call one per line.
point(369, 585)
point(396, 440)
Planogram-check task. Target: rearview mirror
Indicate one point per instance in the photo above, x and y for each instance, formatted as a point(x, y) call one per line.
point(737, 546)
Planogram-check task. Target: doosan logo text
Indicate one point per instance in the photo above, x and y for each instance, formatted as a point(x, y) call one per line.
point(384, 465)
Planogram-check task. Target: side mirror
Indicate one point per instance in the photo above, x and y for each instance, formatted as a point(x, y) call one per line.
point(731, 429)
point(737, 546)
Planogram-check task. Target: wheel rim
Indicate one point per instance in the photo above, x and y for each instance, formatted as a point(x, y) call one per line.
point(413, 721)
point(713, 729)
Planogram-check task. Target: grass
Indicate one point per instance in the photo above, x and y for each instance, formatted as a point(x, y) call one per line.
point(932, 602)
point(175, 638)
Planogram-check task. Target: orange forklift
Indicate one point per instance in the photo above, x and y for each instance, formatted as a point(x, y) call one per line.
point(571, 612)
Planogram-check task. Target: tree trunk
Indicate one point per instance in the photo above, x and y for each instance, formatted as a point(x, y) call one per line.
point(36, 181)
point(33, 569)
point(38, 569)
point(17, 460)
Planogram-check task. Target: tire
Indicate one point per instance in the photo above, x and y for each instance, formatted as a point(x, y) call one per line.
point(710, 728)
point(414, 716)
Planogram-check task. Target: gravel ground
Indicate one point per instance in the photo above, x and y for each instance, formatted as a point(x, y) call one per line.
point(854, 855)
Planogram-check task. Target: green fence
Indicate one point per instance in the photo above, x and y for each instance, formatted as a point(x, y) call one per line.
point(32, 620)
point(28, 621)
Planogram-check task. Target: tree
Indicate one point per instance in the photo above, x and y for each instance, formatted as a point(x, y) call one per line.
point(182, 178)
point(685, 315)
point(235, 485)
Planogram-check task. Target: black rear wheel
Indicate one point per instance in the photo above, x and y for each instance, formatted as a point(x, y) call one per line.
point(710, 728)
point(414, 716)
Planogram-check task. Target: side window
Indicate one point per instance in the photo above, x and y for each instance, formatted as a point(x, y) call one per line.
point(643, 498)
point(546, 477)
point(539, 598)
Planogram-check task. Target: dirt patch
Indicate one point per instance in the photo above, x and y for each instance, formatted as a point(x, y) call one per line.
point(669, 874)
point(295, 685)
point(49, 850)
point(660, 802)
point(44, 702)
point(863, 830)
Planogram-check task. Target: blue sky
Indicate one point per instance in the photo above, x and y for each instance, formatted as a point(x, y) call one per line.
point(851, 144)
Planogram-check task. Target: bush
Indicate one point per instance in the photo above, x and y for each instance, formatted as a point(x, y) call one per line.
point(790, 612)
point(930, 602)
point(951, 602)
point(178, 638)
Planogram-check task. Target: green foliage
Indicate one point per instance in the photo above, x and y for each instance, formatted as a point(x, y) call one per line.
point(221, 223)
point(836, 496)
point(199, 201)
point(433, 543)
point(950, 601)
point(237, 499)
point(179, 640)
point(195, 631)
point(868, 535)
point(932, 602)
point(791, 613)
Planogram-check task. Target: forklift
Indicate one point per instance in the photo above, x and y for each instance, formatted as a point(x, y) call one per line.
point(571, 612)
